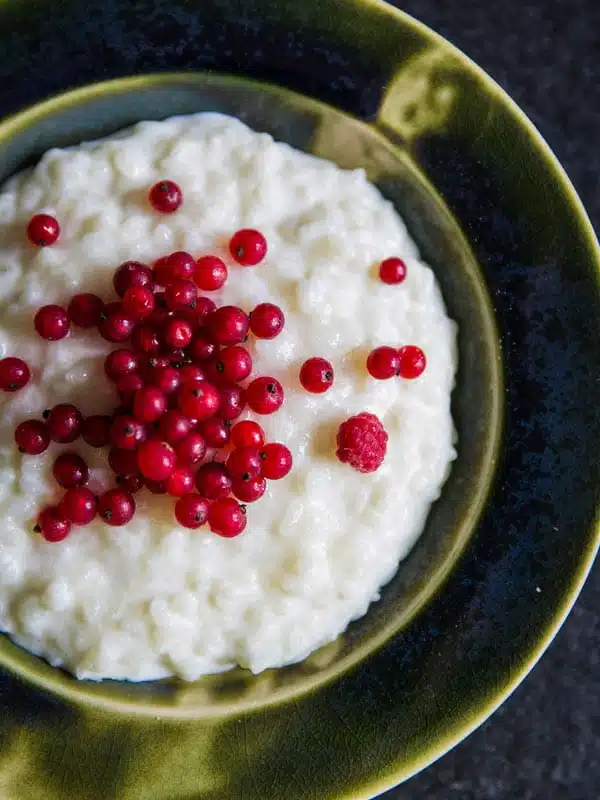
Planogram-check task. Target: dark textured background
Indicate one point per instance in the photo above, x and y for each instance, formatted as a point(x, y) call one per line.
point(542, 744)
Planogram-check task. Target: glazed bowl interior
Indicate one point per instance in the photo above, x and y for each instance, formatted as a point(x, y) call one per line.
point(103, 109)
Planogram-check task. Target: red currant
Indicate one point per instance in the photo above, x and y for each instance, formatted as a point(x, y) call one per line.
point(226, 517)
point(149, 404)
point(84, 310)
point(176, 266)
point(165, 197)
point(131, 483)
point(265, 395)
point(191, 450)
point(116, 507)
point(64, 423)
point(383, 362)
point(180, 295)
point(249, 491)
point(244, 463)
point(52, 323)
point(52, 524)
point(43, 230)
point(167, 379)
point(276, 461)
point(156, 487)
point(202, 347)
point(234, 363)
point(79, 505)
point(204, 307)
point(95, 430)
point(213, 481)
point(174, 426)
point(412, 361)
point(123, 462)
point(233, 399)
point(138, 303)
point(156, 460)
point(119, 363)
point(70, 470)
point(127, 386)
point(130, 274)
point(177, 333)
point(211, 273)
point(127, 433)
point(316, 375)
point(248, 247)
point(180, 482)
point(32, 437)
point(392, 270)
point(199, 402)
point(146, 339)
point(14, 374)
point(191, 511)
point(215, 432)
point(191, 375)
point(115, 325)
point(247, 434)
point(228, 325)
point(267, 321)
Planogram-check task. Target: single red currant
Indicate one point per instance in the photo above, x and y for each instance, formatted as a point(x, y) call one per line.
point(43, 230)
point(248, 247)
point(234, 363)
point(233, 399)
point(412, 361)
point(204, 307)
point(115, 325)
point(138, 303)
point(165, 197)
point(213, 481)
point(228, 325)
point(123, 462)
point(127, 386)
point(226, 517)
point(392, 270)
point(211, 273)
point(116, 507)
point(167, 379)
point(84, 310)
point(202, 347)
point(180, 482)
point(14, 374)
point(191, 375)
point(267, 321)
point(70, 470)
point(131, 483)
point(244, 463)
point(149, 404)
point(176, 266)
point(52, 524)
point(199, 402)
point(127, 433)
point(174, 426)
point(249, 491)
point(215, 432)
point(52, 323)
point(191, 511)
point(119, 363)
point(95, 430)
point(247, 434)
point(156, 460)
point(276, 461)
point(130, 274)
point(383, 362)
point(156, 487)
point(79, 505)
point(316, 375)
point(265, 395)
point(191, 450)
point(177, 333)
point(64, 423)
point(180, 295)
point(32, 437)
point(146, 339)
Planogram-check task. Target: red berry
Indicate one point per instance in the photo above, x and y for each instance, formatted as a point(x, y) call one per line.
point(249, 491)
point(202, 347)
point(316, 375)
point(226, 517)
point(191, 375)
point(174, 426)
point(233, 401)
point(204, 307)
point(119, 363)
point(131, 483)
point(392, 270)
point(160, 313)
point(43, 230)
point(116, 507)
point(276, 461)
point(215, 432)
point(228, 325)
point(84, 310)
point(181, 294)
point(234, 363)
point(115, 325)
point(149, 404)
point(70, 470)
point(127, 386)
point(156, 460)
point(248, 247)
point(412, 361)
point(191, 450)
point(95, 430)
point(32, 437)
point(267, 321)
point(52, 524)
point(138, 302)
point(64, 423)
point(191, 511)
point(165, 197)
point(244, 463)
point(180, 482)
point(176, 357)
point(362, 442)
point(247, 434)
point(14, 374)
point(146, 339)
point(167, 379)
point(177, 333)
point(199, 402)
point(211, 273)
point(123, 462)
point(383, 362)
point(52, 323)
point(176, 266)
point(79, 505)
point(127, 433)
point(130, 274)
point(265, 395)
point(213, 481)
point(156, 487)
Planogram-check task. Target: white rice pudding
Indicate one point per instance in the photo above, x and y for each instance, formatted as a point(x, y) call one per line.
point(151, 599)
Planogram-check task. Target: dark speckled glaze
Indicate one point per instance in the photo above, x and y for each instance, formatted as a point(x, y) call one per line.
point(389, 704)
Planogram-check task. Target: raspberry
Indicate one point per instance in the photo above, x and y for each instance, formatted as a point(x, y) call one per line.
point(362, 442)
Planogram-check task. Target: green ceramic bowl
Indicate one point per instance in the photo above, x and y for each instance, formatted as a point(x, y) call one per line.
point(479, 598)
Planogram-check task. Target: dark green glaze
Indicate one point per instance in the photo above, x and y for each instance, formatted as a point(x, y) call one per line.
point(412, 678)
